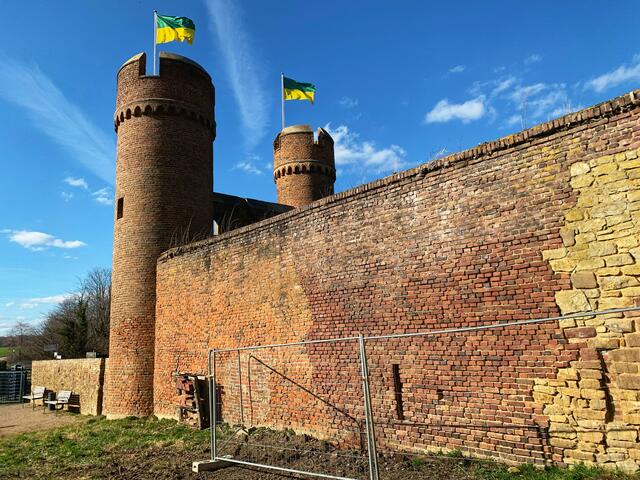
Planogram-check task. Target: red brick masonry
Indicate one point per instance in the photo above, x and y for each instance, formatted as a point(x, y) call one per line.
point(455, 242)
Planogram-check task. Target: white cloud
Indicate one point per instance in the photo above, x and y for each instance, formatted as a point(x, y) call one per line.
point(66, 196)
point(521, 94)
point(37, 241)
point(76, 182)
point(540, 102)
point(10, 304)
point(352, 152)
point(468, 111)
point(531, 59)
point(40, 301)
point(622, 74)
point(494, 87)
point(247, 167)
point(348, 102)
point(457, 69)
point(103, 196)
point(57, 117)
point(242, 68)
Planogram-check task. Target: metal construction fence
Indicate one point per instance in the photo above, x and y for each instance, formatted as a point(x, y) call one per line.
point(14, 384)
point(342, 408)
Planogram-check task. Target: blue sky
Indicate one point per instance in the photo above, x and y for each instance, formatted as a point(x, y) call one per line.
point(398, 84)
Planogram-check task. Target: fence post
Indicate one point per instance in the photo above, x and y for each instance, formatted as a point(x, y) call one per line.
point(212, 403)
point(240, 385)
point(23, 375)
point(371, 438)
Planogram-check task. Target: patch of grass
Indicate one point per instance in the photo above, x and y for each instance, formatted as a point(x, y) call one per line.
point(90, 444)
point(5, 351)
point(162, 449)
point(492, 471)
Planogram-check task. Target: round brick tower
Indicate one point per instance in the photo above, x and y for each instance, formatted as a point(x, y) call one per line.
point(303, 168)
point(164, 182)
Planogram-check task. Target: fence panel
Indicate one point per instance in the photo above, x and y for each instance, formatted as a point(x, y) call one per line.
point(468, 388)
point(467, 392)
point(264, 395)
point(14, 384)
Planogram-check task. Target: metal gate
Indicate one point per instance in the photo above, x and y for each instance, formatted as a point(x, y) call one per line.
point(13, 385)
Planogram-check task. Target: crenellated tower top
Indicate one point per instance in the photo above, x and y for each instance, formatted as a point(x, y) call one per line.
point(303, 166)
point(182, 88)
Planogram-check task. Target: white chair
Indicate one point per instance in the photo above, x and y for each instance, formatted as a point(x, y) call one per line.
point(36, 394)
point(62, 399)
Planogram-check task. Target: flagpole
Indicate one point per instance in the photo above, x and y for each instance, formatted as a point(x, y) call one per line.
point(155, 33)
point(282, 96)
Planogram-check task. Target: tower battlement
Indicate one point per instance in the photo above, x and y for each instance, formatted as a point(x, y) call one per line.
point(303, 166)
point(182, 88)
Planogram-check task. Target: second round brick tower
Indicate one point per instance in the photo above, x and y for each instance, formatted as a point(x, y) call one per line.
point(303, 167)
point(164, 182)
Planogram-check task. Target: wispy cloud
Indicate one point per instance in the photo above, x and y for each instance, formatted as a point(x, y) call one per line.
point(468, 111)
point(242, 67)
point(67, 196)
point(457, 69)
point(539, 102)
point(76, 182)
point(103, 196)
point(623, 74)
point(357, 155)
point(531, 59)
point(38, 241)
point(247, 166)
point(45, 301)
point(348, 102)
point(57, 117)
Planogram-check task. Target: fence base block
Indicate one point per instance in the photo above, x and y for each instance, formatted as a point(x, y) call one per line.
point(209, 465)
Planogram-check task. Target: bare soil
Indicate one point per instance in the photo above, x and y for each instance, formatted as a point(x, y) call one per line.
point(16, 419)
point(152, 449)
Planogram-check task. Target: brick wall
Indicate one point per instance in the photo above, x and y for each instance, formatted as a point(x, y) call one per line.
point(462, 241)
point(84, 377)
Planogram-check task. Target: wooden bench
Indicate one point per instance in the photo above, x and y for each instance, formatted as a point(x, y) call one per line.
point(36, 394)
point(62, 399)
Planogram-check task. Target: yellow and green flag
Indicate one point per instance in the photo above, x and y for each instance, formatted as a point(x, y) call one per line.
point(170, 28)
point(292, 90)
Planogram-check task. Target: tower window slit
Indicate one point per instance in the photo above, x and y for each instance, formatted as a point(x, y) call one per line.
point(397, 388)
point(120, 208)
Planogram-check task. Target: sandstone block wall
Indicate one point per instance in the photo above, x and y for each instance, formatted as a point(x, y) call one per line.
point(524, 227)
point(84, 377)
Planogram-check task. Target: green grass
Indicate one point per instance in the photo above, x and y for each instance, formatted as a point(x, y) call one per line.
point(5, 351)
point(91, 445)
point(94, 446)
point(529, 472)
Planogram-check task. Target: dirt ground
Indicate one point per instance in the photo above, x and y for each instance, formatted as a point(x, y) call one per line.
point(162, 463)
point(152, 449)
point(16, 418)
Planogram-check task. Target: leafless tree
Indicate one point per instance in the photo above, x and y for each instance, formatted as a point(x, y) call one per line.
point(77, 325)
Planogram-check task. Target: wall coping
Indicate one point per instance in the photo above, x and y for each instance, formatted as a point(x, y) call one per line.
point(606, 109)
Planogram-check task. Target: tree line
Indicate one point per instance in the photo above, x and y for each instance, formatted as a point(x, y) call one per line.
point(77, 325)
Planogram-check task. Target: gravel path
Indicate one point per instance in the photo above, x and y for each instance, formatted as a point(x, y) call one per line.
point(16, 419)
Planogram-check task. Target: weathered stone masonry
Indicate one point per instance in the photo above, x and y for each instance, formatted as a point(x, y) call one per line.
point(520, 228)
